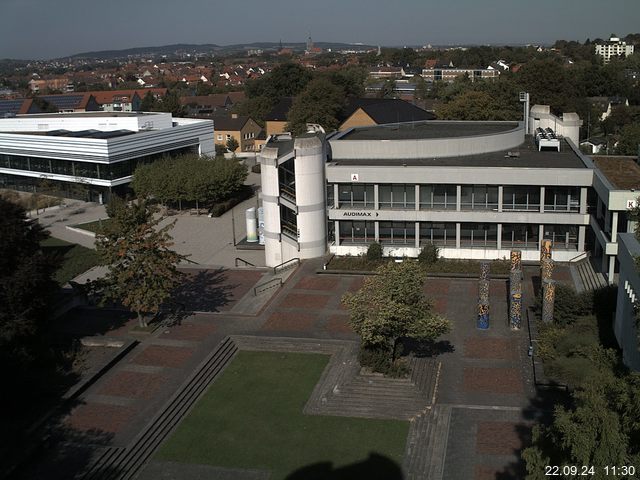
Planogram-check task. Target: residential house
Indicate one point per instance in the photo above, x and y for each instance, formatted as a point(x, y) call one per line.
point(244, 129)
point(365, 112)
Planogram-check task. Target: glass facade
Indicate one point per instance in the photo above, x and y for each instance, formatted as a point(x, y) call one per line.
point(397, 233)
point(438, 197)
point(479, 197)
point(562, 199)
point(397, 195)
point(479, 235)
point(441, 234)
point(520, 198)
point(563, 237)
point(100, 171)
point(357, 232)
point(520, 236)
point(288, 223)
point(353, 195)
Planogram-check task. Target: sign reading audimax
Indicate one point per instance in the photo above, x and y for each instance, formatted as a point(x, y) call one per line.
point(359, 214)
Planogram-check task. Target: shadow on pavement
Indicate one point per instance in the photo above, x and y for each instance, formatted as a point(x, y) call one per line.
point(376, 467)
point(204, 291)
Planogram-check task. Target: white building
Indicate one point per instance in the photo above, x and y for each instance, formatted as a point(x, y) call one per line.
point(97, 151)
point(613, 48)
point(476, 190)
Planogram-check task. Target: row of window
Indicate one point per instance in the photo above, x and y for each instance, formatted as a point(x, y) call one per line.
point(481, 235)
point(445, 197)
point(101, 171)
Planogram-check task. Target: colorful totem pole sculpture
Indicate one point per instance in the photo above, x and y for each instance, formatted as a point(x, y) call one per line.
point(515, 290)
point(483, 297)
point(548, 299)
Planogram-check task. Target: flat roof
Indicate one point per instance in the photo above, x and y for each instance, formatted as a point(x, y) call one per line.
point(622, 172)
point(427, 130)
point(524, 156)
point(88, 114)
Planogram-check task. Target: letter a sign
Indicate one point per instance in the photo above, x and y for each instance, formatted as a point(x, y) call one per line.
point(354, 177)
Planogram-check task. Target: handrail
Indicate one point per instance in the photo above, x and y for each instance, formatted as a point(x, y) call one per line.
point(243, 261)
point(287, 264)
point(267, 285)
point(586, 255)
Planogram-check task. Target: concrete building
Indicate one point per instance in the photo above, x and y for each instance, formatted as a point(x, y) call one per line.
point(626, 326)
point(474, 189)
point(242, 128)
point(448, 73)
point(89, 155)
point(613, 48)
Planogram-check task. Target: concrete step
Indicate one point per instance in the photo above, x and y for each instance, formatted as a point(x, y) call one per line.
point(124, 464)
point(427, 444)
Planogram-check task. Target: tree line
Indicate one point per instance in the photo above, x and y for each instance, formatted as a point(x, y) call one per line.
point(189, 178)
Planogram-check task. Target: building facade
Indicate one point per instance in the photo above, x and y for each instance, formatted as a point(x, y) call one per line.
point(89, 155)
point(613, 48)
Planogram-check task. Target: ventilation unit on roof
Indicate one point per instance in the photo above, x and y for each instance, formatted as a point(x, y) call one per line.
point(547, 138)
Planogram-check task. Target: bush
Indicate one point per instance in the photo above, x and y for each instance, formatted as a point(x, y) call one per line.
point(429, 254)
point(374, 252)
point(569, 305)
point(256, 168)
point(378, 359)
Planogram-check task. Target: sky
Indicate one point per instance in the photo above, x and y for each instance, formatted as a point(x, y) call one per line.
point(43, 29)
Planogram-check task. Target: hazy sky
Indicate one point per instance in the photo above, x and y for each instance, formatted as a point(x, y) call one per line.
point(55, 28)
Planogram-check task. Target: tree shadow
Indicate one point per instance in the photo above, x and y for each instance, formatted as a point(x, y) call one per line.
point(203, 291)
point(87, 321)
point(65, 453)
point(422, 349)
point(376, 467)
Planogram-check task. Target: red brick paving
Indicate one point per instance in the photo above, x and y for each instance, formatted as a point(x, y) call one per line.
point(440, 305)
point(190, 331)
point(436, 286)
point(132, 384)
point(501, 438)
point(163, 356)
point(356, 284)
point(302, 300)
point(482, 472)
point(317, 283)
point(492, 380)
point(338, 324)
point(498, 348)
point(289, 321)
point(95, 416)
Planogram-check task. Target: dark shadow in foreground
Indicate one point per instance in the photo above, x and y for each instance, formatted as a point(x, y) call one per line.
point(376, 467)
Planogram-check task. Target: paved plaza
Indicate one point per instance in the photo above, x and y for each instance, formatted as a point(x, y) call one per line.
point(483, 397)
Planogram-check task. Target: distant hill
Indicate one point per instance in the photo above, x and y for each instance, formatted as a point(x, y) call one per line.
point(208, 48)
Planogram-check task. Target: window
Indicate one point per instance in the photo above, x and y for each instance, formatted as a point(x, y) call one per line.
point(520, 236)
point(288, 223)
point(355, 195)
point(479, 235)
point(357, 232)
point(563, 237)
point(330, 200)
point(521, 198)
point(401, 196)
point(220, 137)
point(479, 197)
point(438, 197)
point(562, 199)
point(228, 137)
point(441, 234)
point(397, 233)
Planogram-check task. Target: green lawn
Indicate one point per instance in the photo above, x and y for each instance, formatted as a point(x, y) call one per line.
point(74, 259)
point(92, 226)
point(251, 417)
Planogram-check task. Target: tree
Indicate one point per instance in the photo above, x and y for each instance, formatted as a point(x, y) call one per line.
point(388, 89)
point(391, 306)
point(629, 142)
point(232, 144)
point(149, 103)
point(142, 268)
point(320, 102)
point(26, 287)
point(171, 103)
point(220, 150)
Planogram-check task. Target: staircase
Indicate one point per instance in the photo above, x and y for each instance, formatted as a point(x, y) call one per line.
point(124, 463)
point(427, 444)
point(586, 277)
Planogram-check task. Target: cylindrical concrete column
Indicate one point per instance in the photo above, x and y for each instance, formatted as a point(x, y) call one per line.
point(252, 225)
point(310, 192)
point(270, 192)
